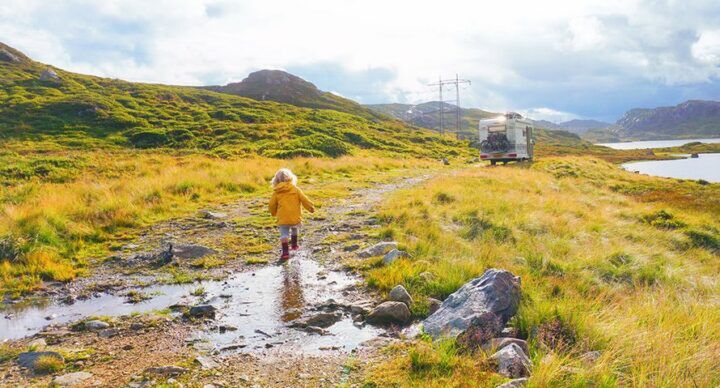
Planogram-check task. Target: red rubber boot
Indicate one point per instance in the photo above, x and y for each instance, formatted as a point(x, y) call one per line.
point(294, 242)
point(285, 251)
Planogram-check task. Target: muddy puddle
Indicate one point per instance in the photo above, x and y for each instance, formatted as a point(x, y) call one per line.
point(255, 310)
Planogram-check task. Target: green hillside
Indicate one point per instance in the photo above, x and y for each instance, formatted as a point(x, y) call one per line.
point(77, 110)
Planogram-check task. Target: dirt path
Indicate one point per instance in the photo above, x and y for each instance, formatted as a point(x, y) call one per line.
point(251, 340)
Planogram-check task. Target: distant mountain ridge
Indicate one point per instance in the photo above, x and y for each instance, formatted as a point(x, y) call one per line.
point(286, 88)
point(690, 119)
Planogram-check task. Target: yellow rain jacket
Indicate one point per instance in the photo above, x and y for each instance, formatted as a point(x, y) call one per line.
point(285, 204)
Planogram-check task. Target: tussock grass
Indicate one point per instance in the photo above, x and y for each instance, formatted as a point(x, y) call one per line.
point(617, 270)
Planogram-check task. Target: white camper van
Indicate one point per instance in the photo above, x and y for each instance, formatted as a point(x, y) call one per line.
point(506, 138)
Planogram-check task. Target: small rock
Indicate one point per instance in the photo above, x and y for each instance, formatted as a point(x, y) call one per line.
point(29, 359)
point(213, 215)
point(107, 333)
point(591, 357)
point(168, 370)
point(137, 326)
point(389, 312)
point(515, 383)
point(50, 317)
point(433, 305)
point(694, 155)
point(37, 344)
point(445, 161)
point(203, 311)
point(400, 294)
point(481, 329)
point(7, 56)
point(226, 328)
point(96, 325)
point(393, 255)
point(426, 276)
point(315, 330)
point(499, 343)
point(512, 362)
point(127, 347)
point(351, 248)
point(71, 379)
point(509, 332)
point(378, 249)
point(359, 309)
point(322, 320)
point(191, 251)
point(206, 362)
point(233, 347)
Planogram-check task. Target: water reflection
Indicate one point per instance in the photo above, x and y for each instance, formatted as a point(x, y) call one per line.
point(292, 298)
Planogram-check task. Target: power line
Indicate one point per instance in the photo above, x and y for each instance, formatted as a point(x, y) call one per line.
point(441, 82)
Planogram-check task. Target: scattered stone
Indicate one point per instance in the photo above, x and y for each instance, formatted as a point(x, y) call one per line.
point(127, 347)
point(315, 330)
point(71, 379)
point(591, 357)
point(37, 344)
point(426, 276)
point(322, 320)
point(206, 362)
point(515, 383)
point(233, 347)
point(499, 343)
point(694, 155)
point(96, 325)
point(378, 249)
point(445, 161)
point(400, 294)
point(393, 255)
point(509, 332)
point(191, 251)
point(203, 311)
point(49, 75)
point(137, 326)
point(512, 362)
point(210, 215)
point(433, 305)
point(29, 359)
point(226, 328)
point(108, 333)
point(389, 312)
point(263, 333)
point(496, 292)
point(359, 309)
point(50, 317)
point(168, 370)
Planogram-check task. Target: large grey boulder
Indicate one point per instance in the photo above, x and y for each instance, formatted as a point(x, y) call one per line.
point(496, 292)
point(378, 249)
point(389, 312)
point(512, 362)
point(71, 379)
point(499, 343)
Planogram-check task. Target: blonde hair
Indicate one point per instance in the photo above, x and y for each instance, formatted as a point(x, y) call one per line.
point(284, 175)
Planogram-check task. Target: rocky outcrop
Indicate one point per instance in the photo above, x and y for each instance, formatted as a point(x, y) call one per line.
point(96, 325)
point(494, 296)
point(203, 311)
point(49, 75)
point(7, 56)
point(389, 312)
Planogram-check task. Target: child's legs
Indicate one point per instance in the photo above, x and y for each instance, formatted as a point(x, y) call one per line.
point(284, 232)
point(295, 230)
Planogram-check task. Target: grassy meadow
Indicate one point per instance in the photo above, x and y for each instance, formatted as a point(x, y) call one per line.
point(63, 209)
point(610, 261)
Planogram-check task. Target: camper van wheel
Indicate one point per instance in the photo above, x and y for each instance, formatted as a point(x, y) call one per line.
point(492, 162)
point(504, 162)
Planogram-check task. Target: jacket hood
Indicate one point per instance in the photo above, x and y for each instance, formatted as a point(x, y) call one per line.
point(284, 187)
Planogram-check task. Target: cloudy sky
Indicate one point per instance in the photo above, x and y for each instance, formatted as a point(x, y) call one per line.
point(554, 59)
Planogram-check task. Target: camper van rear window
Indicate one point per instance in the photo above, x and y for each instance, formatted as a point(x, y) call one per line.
point(496, 128)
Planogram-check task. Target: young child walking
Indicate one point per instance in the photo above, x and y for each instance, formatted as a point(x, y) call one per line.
point(285, 206)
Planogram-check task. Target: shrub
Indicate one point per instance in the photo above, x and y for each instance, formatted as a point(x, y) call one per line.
point(701, 239)
point(149, 138)
point(662, 219)
point(442, 197)
point(49, 364)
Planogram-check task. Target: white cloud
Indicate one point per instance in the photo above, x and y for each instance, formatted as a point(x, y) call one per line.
point(548, 114)
point(519, 53)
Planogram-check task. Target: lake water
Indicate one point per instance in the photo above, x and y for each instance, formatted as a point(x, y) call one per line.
point(634, 145)
point(706, 166)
